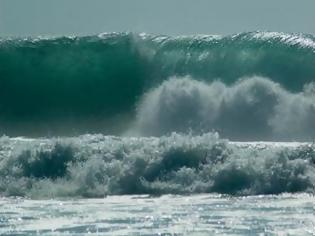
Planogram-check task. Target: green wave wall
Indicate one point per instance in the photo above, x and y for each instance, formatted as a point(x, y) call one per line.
point(72, 85)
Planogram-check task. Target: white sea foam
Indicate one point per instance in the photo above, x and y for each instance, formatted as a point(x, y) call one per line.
point(97, 165)
point(251, 109)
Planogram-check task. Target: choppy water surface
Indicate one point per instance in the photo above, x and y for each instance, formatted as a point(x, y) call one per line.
point(167, 215)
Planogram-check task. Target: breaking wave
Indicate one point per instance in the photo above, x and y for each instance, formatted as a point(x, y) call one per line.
point(158, 103)
point(251, 109)
point(97, 165)
point(99, 84)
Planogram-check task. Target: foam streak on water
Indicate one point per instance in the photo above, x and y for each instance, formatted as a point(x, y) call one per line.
point(167, 215)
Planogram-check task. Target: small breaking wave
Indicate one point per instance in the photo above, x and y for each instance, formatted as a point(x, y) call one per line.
point(97, 165)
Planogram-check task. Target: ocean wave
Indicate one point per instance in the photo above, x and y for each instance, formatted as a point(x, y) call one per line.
point(97, 165)
point(75, 85)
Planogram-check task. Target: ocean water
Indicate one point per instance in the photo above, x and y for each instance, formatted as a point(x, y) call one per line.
point(206, 214)
point(138, 134)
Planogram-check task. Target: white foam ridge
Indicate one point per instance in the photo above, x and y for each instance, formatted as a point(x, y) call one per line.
point(253, 108)
point(97, 165)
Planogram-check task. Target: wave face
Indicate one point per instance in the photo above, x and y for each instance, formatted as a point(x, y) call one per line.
point(107, 83)
point(97, 165)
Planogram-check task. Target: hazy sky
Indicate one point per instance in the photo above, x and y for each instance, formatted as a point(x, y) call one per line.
point(174, 17)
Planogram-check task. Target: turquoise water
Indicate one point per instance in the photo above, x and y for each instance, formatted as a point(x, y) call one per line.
point(287, 214)
point(109, 83)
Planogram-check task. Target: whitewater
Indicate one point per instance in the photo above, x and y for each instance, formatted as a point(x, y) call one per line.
point(139, 134)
